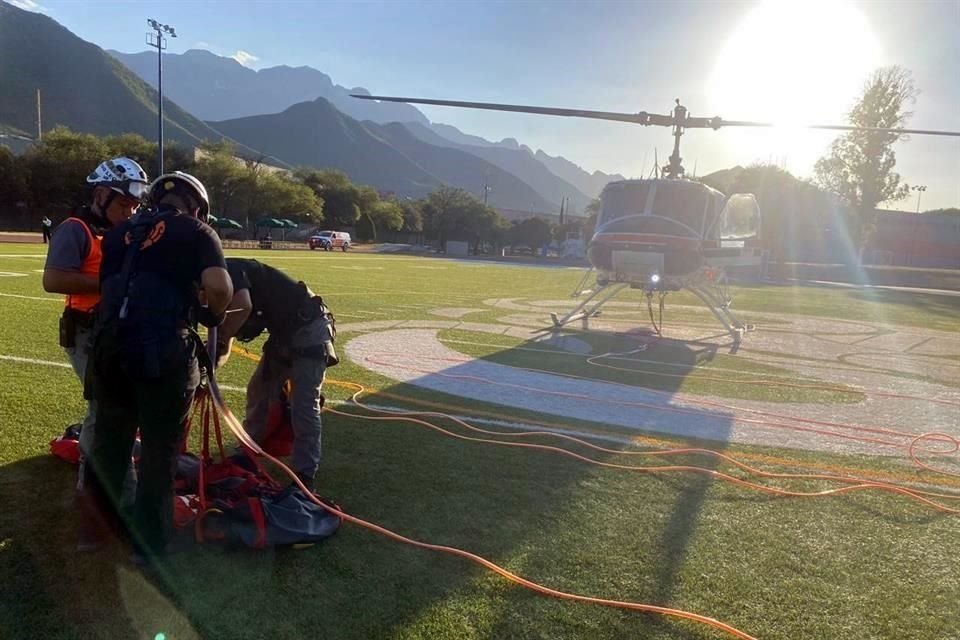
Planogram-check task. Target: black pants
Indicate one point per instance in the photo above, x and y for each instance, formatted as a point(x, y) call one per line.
point(157, 406)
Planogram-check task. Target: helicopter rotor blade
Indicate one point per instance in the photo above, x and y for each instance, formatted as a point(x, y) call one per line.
point(840, 127)
point(641, 118)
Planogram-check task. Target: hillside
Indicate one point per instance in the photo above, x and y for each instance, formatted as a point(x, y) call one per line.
point(218, 88)
point(518, 161)
point(318, 135)
point(81, 86)
point(461, 169)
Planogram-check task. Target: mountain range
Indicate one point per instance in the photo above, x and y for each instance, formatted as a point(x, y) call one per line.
point(81, 86)
point(219, 88)
point(295, 114)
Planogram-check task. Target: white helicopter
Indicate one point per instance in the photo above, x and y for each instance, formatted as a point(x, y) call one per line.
point(668, 233)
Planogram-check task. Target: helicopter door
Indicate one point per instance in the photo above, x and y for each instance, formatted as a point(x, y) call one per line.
point(740, 219)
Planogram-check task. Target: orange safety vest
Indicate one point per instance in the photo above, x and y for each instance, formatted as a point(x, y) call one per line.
point(85, 302)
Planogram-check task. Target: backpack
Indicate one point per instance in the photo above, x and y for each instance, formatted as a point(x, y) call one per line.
point(234, 500)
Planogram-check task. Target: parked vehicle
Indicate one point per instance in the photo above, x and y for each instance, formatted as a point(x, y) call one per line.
point(330, 240)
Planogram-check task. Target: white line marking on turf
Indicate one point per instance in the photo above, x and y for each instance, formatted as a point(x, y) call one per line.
point(13, 274)
point(47, 363)
point(14, 295)
point(51, 363)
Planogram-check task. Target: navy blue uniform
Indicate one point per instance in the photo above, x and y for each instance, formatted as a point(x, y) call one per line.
point(144, 367)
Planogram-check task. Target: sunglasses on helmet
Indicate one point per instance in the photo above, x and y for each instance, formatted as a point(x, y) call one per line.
point(132, 189)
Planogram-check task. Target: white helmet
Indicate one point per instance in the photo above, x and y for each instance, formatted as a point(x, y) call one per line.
point(185, 184)
point(121, 175)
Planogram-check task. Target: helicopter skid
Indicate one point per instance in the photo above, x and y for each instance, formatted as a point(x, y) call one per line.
point(590, 306)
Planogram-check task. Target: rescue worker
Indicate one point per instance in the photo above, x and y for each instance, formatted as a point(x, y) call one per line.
point(73, 268)
point(299, 349)
point(162, 271)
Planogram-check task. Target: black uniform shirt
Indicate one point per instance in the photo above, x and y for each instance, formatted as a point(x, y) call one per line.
point(178, 247)
point(277, 298)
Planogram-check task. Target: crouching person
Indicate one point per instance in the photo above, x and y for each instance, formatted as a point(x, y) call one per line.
point(299, 349)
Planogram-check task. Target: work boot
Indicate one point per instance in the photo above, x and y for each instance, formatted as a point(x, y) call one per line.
point(94, 529)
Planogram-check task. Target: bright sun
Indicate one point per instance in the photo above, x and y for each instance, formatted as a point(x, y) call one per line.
point(792, 62)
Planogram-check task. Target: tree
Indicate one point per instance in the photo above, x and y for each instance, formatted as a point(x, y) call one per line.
point(386, 214)
point(13, 179)
point(57, 168)
point(454, 214)
point(228, 183)
point(534, 232)
point(860, 164)
point(412, 213)
point(341, 197)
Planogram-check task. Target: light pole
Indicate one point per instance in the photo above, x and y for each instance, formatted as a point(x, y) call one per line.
point(160, 43)
point(919, 189)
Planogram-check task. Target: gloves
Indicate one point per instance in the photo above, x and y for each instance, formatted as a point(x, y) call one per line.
point(208, 319)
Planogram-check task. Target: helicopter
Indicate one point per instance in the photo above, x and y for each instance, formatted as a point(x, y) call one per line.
point(667, 233)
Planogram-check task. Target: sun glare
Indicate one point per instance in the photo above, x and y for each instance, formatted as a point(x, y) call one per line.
point(792, 62)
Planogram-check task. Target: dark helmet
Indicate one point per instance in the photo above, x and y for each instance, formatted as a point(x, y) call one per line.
point(184, 185)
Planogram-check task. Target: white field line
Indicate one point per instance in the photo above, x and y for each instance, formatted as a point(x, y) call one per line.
point(517, 426)
point(14, 295)
point(51, 363)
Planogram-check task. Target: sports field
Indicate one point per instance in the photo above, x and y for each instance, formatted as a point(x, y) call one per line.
point(835, 381)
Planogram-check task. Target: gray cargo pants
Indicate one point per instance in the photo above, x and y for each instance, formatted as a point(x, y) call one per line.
point(79, 356)
point(279, 363)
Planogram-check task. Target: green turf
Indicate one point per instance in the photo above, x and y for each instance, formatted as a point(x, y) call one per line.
point(858, 567)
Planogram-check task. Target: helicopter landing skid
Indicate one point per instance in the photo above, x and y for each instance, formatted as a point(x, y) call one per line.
point(590, 306)
point(719, 305)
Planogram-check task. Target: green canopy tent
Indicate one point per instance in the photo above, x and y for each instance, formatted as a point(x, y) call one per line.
point(287, 224)
point(224, 223)
point(269, 223)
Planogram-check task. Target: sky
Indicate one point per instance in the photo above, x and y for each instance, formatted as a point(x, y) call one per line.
point(785, 61)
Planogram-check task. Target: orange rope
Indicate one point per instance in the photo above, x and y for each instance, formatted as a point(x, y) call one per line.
point(245, 439)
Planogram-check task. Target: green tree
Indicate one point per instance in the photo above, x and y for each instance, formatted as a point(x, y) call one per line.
point(860, 164)
point(412, 212)
point(454, 214)
point(57, 168)
point(340, 196)
point(386, 214)
point(13, 179)
point(229, 183)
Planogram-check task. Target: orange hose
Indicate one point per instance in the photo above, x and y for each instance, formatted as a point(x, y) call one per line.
point(245, 438)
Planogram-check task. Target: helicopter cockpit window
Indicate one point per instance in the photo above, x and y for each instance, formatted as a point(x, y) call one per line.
point(741, 218)
point(623, 199)
point(684, 202)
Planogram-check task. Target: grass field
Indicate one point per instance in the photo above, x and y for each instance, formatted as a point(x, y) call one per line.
point(861, 566)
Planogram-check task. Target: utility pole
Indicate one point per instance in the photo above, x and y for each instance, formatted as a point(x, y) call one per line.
point(486, 187)
point(157, 41)
point(39, 122)
point(919, 189)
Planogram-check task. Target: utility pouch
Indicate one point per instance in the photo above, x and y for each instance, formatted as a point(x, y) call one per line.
point(68, 330)
point(330, 354)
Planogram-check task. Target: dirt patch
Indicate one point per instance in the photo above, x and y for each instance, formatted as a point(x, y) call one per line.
point(21, 237)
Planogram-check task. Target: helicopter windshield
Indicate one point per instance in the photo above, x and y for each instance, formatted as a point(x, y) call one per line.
point(623, 199)
point(683, 202)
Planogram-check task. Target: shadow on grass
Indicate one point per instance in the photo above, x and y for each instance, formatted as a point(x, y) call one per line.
point(524, 509)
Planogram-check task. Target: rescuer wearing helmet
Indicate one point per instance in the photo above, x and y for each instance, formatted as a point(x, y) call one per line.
point(73, 268)
point(162, 272)
point(299, 349)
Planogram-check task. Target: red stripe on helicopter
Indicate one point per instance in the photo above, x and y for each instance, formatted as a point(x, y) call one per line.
point(675, 242)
